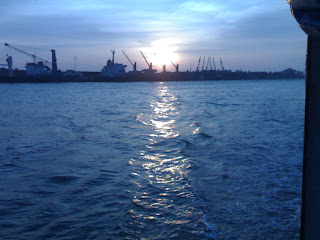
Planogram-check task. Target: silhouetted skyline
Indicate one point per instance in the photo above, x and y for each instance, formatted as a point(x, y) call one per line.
point(249, 35)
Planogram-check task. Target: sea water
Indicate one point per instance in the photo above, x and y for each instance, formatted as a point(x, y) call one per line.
point(151, 160)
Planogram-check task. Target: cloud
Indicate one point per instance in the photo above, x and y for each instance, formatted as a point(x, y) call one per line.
point(198, 6)
point(230, 28)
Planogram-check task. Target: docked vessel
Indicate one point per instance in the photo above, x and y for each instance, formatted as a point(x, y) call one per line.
point(38, 72)
point(113, 69)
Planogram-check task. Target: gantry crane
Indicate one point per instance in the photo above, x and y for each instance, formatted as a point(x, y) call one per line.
point(133, 65)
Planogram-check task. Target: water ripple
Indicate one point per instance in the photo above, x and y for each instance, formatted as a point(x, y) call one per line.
point(164, 196)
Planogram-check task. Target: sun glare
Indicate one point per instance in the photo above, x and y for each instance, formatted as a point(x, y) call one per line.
point(163, 52)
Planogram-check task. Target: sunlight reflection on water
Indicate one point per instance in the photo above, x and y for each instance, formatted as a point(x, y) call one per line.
point(88, 160)
point(160, 171)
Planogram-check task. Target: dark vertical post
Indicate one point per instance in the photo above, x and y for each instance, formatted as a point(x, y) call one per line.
point(307, 14)
point(54, 62)
point(310, 211)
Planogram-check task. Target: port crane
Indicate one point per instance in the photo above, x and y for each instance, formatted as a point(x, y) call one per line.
point(176, 66)
point(150, 65)
point(133, 65)
point(209, 63)
point(204, 60)
point(214, 64)
point(198, 64)
point(34, 57)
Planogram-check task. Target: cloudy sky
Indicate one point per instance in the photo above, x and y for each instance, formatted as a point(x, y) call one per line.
point(247, 34)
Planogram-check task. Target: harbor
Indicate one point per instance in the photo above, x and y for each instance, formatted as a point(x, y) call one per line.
point(191, 120)
point(42, 71)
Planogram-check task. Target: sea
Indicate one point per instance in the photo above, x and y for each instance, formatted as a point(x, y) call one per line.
point(151, 160)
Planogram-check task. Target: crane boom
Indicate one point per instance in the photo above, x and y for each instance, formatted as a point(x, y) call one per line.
point(133, 65)
point(204, 60)
point(207, 67)
point(214, 64)
point(145, 59)
point(176, 66)
point(150, 65)
point(34, 57)
point(128, 58)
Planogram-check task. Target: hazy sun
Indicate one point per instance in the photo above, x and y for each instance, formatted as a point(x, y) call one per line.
point(163, 52)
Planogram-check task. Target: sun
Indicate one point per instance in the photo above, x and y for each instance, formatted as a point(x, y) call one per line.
point(164, 51)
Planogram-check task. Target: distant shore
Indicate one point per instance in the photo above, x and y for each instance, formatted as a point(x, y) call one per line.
point(72, 76)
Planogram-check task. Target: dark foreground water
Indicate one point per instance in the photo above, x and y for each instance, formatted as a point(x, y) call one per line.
point(180, 160)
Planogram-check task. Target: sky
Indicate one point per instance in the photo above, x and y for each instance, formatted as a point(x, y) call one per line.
point(248, 35)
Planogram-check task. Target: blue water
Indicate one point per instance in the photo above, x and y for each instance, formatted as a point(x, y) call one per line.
point(178, 160)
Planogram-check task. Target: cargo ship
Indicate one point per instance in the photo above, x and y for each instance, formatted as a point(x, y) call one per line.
point(43, 71)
